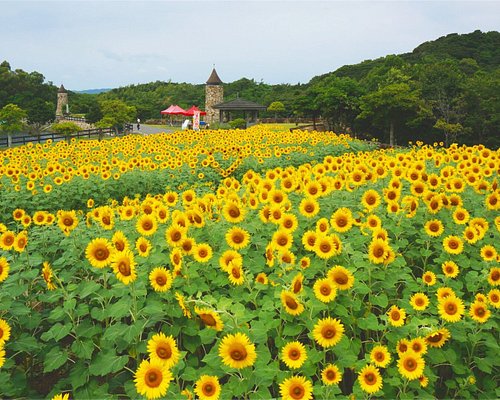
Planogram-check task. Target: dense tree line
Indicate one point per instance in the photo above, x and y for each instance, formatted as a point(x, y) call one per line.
point(445, 90)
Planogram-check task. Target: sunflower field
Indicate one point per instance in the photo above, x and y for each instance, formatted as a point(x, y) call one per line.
point(250, 264)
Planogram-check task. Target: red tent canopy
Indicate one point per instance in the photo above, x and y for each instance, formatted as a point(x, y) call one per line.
point(173, 110)
point(191, 111)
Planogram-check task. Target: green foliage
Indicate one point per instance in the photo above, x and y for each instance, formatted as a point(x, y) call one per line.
point(238, 123)
point(116, 114)
point(11, 118)
point(276, 107)
point(66, 128)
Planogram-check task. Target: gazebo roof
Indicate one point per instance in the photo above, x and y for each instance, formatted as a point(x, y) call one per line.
point(214, 79)
point(239, 104)
point(62, 89)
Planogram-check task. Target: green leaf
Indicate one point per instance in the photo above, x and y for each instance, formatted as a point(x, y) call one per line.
point(370, 322)
point(25, 343)
point(119, 309)
point(258, 331)
point(107, 362)
point(83, 348)
point(57, 332)
point(54, 359)
point(79, 375)
point(484, 364)
point(380, 300)
point(87, 288)
point(292, 330)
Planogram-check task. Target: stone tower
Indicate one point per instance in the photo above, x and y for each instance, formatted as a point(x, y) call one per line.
point(62, 101)
point(214, 94)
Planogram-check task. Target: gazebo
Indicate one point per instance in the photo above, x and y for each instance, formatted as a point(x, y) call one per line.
point(249, 109)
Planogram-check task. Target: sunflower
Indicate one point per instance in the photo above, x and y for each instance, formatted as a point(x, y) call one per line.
point(461, 216)
point(411, 365)
point(424, 381)
point(175, 234)
point(120, 241)
point(378, 251)
point(328, 331)
point(233, 212)
point(434, 228)
point(305, 262)
point(453, 244)
point(296, 388)
point(322, 226)
point(488, 253)
point(182, 304)
point(380, 356)
point(402, 346)
point(146, 225)
point(230, 258)
point(39, 217)
point(152, 379)
point(479, 312)
point(451, 308)
point(7, 240)
point(291, 303)
point(4, 332)
point(370, 200)
point(237, 351)
point(324, 290)
point(209, 318)
point(262, 278)
point(207, 387)
point(341, 277)
point(18, 214)
point(143, 246)
point(494, 297)
point(282, 239)
point(67, 221)
point(419, 301)
point(4, 269)
point(450, 269)
point(297, 283)
point(308, 207)
point(123, 265)
point(418, 345)
point(331, 375)
point(236, 275)
point(47, 275)
point(429, 278)
point(237, 238)
point(61, 396)
point(369, 379)
point(202, 252)
point(309, 240)
point(163, 350)
point(444, 292)
point(289, 222)
point(161, 279)
point(373, 222)
point(329, 246)
point(99, 252)
point(396, 316)
point(294, 354)
point(342, 220)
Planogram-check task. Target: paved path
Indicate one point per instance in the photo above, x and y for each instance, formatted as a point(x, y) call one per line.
point(151, 130)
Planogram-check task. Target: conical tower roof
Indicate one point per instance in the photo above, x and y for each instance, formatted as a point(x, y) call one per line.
point(62, 89)
point(214, 78)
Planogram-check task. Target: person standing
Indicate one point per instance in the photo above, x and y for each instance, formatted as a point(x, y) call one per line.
point(138, 124)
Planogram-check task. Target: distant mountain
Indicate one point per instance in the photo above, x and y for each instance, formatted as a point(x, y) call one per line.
point(94, 91)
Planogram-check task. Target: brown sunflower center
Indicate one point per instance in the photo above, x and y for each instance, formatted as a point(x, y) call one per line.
point(331, 375)
point(410, 364)
point(328, 332)
point(435, 338)
point(238, 352)
point(164, 351)
point(341, 221)
point(370, 378)
point(379, 356)
point(309, 208)
point(120, 246)
point(291, 303)
point(294, 354)
point(208, 389)
point(153, 378)
point(161, 280)
point(235, 272)
point(297, 392)
point(451, 308)
point(237, 238)
point(325, 247)
point(202, 253)
point(325, 290)
point(68, 221)
point(340, 278)
point(124, 268)
point(147, 225)
point(495, 275)
point(101, 254)
point(234, 212)
point(395, 315)
point(208, 319)
point(480, 312)
point(297, 286)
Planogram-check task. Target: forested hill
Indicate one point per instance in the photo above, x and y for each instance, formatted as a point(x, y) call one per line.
point(483, 48)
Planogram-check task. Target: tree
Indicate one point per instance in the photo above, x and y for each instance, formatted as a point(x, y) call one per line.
point(337, 99)
point(66, 128)
point(276, 107)
point(11, 120)
point(392, 106)
point(116, 114)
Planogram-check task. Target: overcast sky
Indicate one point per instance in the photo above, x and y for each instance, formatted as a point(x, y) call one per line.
point(97, 44)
